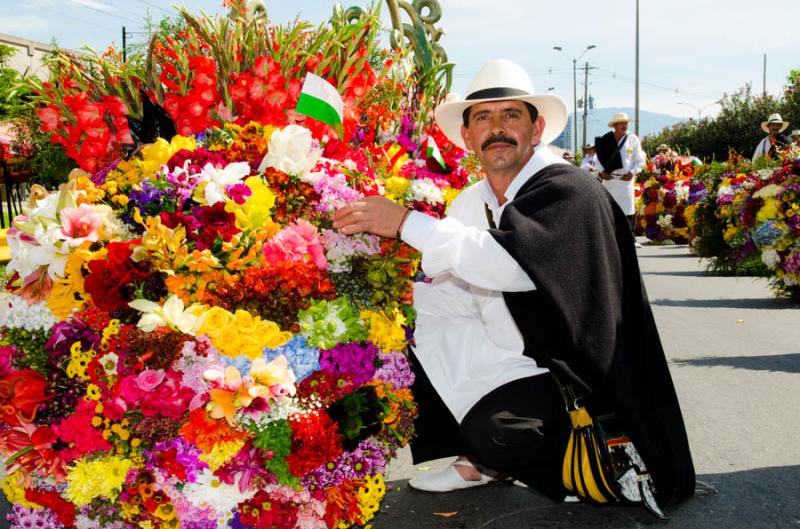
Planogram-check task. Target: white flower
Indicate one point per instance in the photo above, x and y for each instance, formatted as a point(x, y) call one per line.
point(425, 190)
point(45, 209)
point(725, 191)
point(292, 151)
point(219, 179)
point(42, 250)
point(15, 312)
point(665, 221)
point(765, 174)
point(770, 258)
point(209, 490)
point(769, 191)
point(172, 315)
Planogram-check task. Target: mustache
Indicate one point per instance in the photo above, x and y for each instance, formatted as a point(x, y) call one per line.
point(500, 138)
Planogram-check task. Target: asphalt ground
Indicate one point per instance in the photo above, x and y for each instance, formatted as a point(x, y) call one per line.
point(734, 353)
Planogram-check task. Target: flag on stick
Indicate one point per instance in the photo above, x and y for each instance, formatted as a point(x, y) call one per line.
point(434, 152)
point(320, 100)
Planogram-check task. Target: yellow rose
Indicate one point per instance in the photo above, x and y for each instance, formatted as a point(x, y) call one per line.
point(217, 320)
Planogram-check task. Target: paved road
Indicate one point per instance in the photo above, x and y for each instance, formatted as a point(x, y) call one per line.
point(734, 352)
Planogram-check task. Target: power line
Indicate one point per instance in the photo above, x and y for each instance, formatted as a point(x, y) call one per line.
point(157, 7)
point(121, 17)
point(93, 24)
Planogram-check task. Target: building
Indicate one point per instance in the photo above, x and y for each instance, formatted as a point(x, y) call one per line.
point(29, 57)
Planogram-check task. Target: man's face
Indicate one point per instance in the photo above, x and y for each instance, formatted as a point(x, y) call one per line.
point(620, 128)
point(796, 138)
point(773, 128)
point(502, 135)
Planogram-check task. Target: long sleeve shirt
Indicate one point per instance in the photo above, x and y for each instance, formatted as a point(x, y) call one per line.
point(466, 340)
point(633, 161)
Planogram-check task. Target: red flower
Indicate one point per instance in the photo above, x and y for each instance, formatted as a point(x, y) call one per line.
point(77, 431)
point(315, 441)
point(65, 511)
point(31, 449)
point(264, 511)
point(20, 396)
point(214, 222)
point(50, 117)
point(109, 279)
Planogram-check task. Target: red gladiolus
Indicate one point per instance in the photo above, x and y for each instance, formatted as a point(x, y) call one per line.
point(50, 117)
point(65, 511)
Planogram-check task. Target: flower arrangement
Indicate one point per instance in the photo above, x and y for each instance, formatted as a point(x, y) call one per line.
point(746, 221)
point(663, 202)
point(184, 340)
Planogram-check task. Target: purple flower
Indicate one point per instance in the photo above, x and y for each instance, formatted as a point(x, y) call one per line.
point(28, 518)
point(356, 359)
point(395, 370)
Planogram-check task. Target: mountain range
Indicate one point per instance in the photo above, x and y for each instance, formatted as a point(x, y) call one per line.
point(597, 123)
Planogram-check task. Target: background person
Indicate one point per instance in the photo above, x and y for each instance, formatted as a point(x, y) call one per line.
point(769, 146)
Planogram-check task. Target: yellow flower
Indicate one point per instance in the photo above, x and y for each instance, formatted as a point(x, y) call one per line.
point(396, 187)
point(13, 487)
point(216, 320)
point(369, 497)
point(385, 332)
point(770, 210)
point(730, 233)
point(221, 453)
point(90, 479)
point(255, 212)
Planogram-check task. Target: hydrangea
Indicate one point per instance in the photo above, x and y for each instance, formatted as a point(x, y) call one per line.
point(766, 234)
point(303, 359)
point(334, 192)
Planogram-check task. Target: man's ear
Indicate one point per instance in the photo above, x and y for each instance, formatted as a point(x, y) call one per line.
point(465, 137)
point(538, 130)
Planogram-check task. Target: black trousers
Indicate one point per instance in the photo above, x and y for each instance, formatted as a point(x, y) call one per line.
point(632, 223)
point(520, 429)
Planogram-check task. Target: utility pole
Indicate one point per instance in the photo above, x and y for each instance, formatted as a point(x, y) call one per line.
point(124, 45)
point(585, 100)
point(636, 112)
point(765, 76)
point(574, 105)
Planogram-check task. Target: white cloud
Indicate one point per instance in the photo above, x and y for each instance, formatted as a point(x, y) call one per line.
point(92, 4)
point(20, 24)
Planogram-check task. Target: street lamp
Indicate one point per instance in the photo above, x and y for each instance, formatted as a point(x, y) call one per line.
point(574, 90)
point(699, 110)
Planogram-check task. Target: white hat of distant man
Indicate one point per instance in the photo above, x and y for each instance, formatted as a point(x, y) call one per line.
point(774, 118)
point(619, 117)
point(795, 132)
point(502, 80)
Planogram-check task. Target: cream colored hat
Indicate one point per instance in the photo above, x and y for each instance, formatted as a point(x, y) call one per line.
point(774, 118)
point(502, 80)
point(619, 117)
point(795, 132)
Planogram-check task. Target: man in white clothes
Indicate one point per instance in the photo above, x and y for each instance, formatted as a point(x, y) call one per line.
point(620, 160)
point(769, 146)
point(589, 161)
point(553, 286)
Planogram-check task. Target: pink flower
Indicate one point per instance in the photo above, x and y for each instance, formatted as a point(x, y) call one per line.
point(149, 379)
point(129, 389)
point(298, 242)
point(169, 398)
point(239, 192)
point(80, 224)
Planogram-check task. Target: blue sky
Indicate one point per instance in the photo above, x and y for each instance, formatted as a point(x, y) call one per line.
point(692, 51)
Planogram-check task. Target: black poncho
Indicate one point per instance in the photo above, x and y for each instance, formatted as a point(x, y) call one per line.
point(589, 319)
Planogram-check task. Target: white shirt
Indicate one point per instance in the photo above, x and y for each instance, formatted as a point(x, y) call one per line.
point(762, 149)
point(466, 340)
point(633, 161)
point(591, 164)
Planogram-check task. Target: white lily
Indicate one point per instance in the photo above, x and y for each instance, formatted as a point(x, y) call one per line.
point(218, 179)
point(292, 151)
point(172, 315)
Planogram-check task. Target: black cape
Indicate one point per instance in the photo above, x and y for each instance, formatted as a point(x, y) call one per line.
point(607, 149)
point(589, 319)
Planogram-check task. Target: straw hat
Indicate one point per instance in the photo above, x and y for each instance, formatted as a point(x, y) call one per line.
point(662, 148)
point(795, 132)
point(774, 118)
point(619, 117)
point(502, 80)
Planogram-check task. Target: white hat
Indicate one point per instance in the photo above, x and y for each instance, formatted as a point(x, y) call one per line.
point(774, 118)
point(619, 117)
point(795, 132)
point(502, 80)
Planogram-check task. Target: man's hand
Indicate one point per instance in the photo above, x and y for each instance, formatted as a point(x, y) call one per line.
point(605, 176)
point(373, 214)
point(627, 176)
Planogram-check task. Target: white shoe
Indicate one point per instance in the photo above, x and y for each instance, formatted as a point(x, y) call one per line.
point(448, 479)
point(637, 245)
